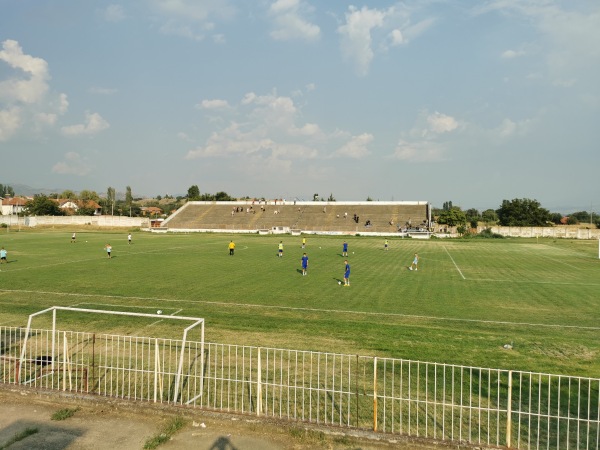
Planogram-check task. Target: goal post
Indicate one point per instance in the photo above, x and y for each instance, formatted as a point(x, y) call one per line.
point(196, 322)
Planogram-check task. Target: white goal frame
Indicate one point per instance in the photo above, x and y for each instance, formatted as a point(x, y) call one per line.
point(196, 321)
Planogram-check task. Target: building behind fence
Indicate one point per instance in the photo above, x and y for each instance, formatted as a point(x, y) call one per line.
point(412, 398)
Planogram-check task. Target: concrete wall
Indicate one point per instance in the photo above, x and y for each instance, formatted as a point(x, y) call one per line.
point(548, 232)
point(98, 221)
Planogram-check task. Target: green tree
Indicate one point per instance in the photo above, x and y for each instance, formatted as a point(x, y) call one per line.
point(193, 192)
point(331, 198)
point(522, 213)
point(87, 196)
point(315, 197)
point(555, 218)
point(447, 206)
point(6, 191)
point(572, 220)
point(452, 217)
point(41, 205)
point(85, 211)
point(581, 216)
point(489, 215)
point(68, 194)
point(111, 197)
point(223, 197)
point(128, 197)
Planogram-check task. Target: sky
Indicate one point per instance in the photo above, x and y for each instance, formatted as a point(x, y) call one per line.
point(473, 102)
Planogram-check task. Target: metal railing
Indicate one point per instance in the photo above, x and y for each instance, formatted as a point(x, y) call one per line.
point(412, 398)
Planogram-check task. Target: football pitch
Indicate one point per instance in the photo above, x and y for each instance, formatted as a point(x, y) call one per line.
point(468, 300)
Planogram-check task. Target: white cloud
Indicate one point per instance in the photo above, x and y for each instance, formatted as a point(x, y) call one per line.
point(356, 37)
point(94, 123)
point(10, 121)
point(102, 90)
point(63, 103)
point(419, 152)
point(114, 13)
point(213, 104)
point(357, 147)
point(24, 95)
point(509, 128)
point(30, 89)
point(73, 164)
point(570, 38)
point(268, 133)
point(289, 21)
point(46, 118)
point(191, 18)
point(441, 123)
point(510, 54)
point(397, 38)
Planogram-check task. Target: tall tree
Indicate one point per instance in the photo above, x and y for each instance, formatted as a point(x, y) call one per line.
point(6, 191)
point(111, 197)
point(522, 212)
point(128, 199)
point(193, 192)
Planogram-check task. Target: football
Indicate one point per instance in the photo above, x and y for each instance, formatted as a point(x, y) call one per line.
point(159, 311)
point(339, 282)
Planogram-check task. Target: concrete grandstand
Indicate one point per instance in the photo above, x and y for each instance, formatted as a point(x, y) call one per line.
point(280, 216)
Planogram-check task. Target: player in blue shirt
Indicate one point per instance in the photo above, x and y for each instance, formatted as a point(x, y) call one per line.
point(345, 249)
point(347, 273)
point(304, 264)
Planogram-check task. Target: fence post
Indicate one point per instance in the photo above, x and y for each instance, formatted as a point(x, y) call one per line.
point(375, 394)
point(356, 384)
point(509, 411)
point(156, 367)
point(258, 386)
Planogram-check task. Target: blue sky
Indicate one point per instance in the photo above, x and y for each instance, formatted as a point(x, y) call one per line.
point(473, 102)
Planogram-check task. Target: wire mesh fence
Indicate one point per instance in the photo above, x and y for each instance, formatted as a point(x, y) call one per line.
point(412, 398)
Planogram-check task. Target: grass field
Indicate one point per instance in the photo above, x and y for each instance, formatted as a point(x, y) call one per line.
point(468, 299)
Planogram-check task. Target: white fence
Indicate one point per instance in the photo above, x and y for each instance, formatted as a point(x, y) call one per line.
point(412, 398)
point(98, 221)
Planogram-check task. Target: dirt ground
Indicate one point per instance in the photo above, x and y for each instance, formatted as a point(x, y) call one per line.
point(100, 423)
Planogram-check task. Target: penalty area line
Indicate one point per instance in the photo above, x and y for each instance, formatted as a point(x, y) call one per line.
point(454, 262)
point(317, 310)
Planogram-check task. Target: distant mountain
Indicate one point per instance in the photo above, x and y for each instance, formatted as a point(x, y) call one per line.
point(28, 191)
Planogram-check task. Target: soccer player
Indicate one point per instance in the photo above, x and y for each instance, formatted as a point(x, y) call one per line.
point(414, 263)
point(73, 237)
point(303, 242)
point(231, 248)
point(346, 273)
point(108, 249)
point(3, 254)
point(280, 248)
point(345, 249)
point(385, 245)
point(304, 261)
point(129, 238)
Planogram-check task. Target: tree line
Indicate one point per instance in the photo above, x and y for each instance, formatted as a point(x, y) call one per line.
point(516, 212)
point(519, 212)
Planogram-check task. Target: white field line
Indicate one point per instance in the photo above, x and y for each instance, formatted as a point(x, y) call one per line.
point(454, 262)
point(292, 308)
